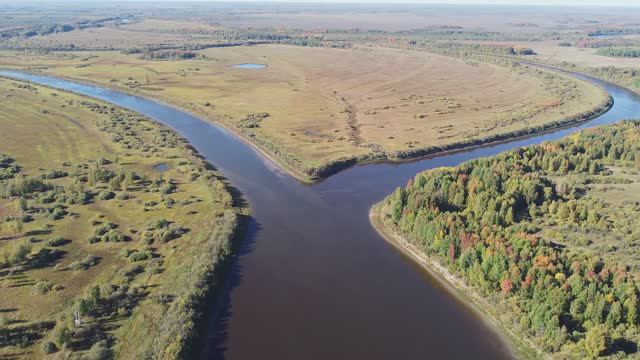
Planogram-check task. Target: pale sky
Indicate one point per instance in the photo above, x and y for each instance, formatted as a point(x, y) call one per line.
point(478, 2)
point(626, 3)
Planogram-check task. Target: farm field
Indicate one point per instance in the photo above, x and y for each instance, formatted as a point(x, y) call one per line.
point(97, 211)
point(310, 109)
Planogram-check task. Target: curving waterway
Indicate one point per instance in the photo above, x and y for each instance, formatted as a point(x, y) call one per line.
point(313, 279)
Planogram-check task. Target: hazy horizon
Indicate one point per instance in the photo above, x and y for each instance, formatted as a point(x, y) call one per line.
point(579, 3)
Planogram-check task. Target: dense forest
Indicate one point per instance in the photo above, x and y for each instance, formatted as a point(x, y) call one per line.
point(484, 220)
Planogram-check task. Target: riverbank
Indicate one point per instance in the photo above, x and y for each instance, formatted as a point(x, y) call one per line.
point(480, 305)
point(336, 166)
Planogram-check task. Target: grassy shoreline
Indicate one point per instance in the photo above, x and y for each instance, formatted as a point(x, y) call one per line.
point(520, 348)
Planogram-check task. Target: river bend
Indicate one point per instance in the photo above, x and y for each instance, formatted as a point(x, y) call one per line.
point(313, 279)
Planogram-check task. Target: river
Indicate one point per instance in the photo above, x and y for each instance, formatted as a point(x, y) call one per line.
point(313, 279)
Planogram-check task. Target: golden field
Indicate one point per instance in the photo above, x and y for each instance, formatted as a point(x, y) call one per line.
point(318, 105)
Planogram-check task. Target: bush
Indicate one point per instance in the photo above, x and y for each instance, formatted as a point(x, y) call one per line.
point(61, 336)
point(46, 198)
point(124, 196)
point(140, 255)
point(100, 351)
point(170, 233)
point(160, 224)
point(49, 347)
point(106, 195)
point(55, 174)
point(45, 256)
point(169, 202)
point(4, 321)
point(168, 188)
point(57, 213)
point(104, 228)
point(134, 270)
point(58, 241)
point(93, 239)
point(21, 187)
point(20, 254)
point(113, 236)
point(42, 287)
point(85, 263)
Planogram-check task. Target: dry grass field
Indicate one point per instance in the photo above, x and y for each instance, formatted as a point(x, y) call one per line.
point(52, 245)
point(311, 106)
point(549, 51)
point(399, 17)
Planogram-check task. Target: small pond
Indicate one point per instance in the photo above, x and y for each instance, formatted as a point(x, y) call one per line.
point(161, 167)
point(249, 66)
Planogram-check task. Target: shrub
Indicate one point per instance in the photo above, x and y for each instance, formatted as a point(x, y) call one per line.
point(134, 270)
point(170, 233)
point(61, 336)
point(147, 237)
point(20, 254)
point(101, 175)
point(57, 213)
point(169, 202)
point(100, 351)
point(46, 198)
point(164, 299)
point(113, 236)
point(85, 263)
point(55, 174)
point(49, 347)
point(160, 224)
point(58, 241)
point(22, 203)
point(4, 321)
point(93, 239)
point(106, 195)
point(45, 256)
point(168, 188)
point(78, 198)
point(8, 168)
point(104, 228)
point(26, 186)
point(42, 287)
point(124, 196)
point(140, 255)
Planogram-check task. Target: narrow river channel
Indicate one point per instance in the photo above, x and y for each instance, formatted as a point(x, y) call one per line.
point(313, 279)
